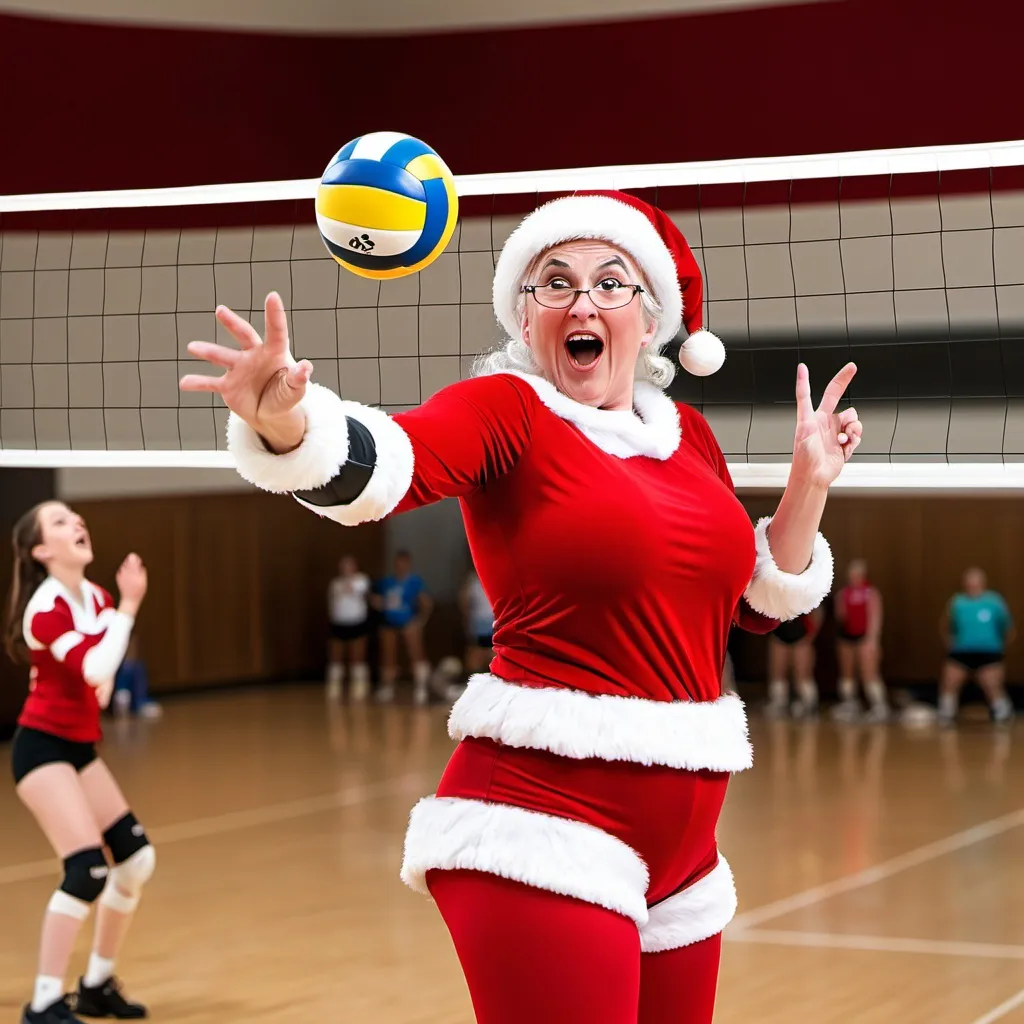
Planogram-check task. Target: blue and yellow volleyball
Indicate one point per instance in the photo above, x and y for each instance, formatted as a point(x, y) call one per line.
point(386, 206)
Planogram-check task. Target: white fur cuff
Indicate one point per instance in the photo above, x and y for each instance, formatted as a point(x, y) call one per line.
point(323, 451)
point(694, 914)
point(692, 735)
point(783, 595)
point(392, 472)
point(556, 854)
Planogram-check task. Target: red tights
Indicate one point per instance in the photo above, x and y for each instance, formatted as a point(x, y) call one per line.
point(535, 957)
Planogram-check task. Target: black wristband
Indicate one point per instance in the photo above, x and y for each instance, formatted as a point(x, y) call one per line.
point(352, 478)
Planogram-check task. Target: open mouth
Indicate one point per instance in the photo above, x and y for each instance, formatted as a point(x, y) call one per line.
point(584, 349)
point(82, 542)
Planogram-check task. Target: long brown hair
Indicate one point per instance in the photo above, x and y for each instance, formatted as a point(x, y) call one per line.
point(28, 574)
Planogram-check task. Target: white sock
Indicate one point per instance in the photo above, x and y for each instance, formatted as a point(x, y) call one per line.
point(948, 704)
point(99, 971)
point(847, 690)
point(1001, 705)
point(875, 689)
point(48, 990)
point(778, 692)
point(808, 691)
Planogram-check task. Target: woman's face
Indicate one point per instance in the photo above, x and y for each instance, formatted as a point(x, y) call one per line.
point(65, 542)
point(588, 352)
point(975, 582)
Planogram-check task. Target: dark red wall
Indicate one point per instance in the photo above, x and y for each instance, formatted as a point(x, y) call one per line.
point(100, 106)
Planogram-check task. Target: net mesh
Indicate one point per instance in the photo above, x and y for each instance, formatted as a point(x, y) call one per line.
point(911, 266)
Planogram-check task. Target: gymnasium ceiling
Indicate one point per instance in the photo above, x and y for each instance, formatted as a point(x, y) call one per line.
point(360, 16)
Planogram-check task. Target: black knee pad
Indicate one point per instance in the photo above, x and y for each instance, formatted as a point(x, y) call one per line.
point(85, 874)
point(125, 837)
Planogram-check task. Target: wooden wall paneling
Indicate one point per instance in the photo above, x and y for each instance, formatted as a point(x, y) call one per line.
point(222, 563)
point(917, 548)
point(179, 668)
point(298, 554)
point(146, 526)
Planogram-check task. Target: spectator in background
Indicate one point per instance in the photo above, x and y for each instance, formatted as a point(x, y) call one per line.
point(131, 686)
point(791, 651)
point(405, 606)
point(349, 612)
point(977, 626)
point(478, 618)
point(858, 646)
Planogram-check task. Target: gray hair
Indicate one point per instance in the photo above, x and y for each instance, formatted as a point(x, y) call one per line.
point(516, 356)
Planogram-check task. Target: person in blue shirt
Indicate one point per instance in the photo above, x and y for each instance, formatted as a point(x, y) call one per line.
point(977, 626)
point(404, 606)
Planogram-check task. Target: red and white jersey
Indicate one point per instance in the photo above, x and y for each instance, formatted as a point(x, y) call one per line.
point(60, 631)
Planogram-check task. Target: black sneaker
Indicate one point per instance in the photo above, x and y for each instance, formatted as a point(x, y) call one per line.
point(58, 1013)
point(106, 1001)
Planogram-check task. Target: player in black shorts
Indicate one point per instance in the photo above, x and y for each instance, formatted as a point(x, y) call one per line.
point(791, 653)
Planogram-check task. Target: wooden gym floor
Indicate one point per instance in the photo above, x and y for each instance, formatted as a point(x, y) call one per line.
point(879, 870)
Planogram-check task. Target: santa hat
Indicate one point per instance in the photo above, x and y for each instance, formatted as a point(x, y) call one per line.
point(647, 235)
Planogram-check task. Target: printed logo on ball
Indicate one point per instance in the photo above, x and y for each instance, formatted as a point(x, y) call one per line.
point(361, 243)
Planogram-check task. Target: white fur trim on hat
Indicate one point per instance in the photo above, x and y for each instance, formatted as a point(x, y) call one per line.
point(698, 912)
point(557, 854)
point(702, 354)
point(784, 595)
point(692, 735)
point(594, 217)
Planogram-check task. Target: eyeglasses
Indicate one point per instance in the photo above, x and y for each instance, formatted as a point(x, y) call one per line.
point(607, 294)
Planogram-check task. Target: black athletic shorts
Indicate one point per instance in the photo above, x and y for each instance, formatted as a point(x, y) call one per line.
point(484, 640)
point(33, 748)
point(349, 631)
point(791, 631)
point(850, 638)
point(974, 660)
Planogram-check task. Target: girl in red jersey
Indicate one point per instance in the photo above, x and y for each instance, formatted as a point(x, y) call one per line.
point(858, 646)
point(570, 846)
point(70, 632)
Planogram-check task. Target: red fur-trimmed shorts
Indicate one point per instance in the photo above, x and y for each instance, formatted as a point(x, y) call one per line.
point(571, 793)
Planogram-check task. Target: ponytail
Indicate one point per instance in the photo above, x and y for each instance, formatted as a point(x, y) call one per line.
point(28, 574)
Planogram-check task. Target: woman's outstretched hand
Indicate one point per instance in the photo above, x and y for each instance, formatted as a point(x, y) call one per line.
point(263, 383)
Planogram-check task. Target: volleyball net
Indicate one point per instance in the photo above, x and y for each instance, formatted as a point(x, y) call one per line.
point(909, 262)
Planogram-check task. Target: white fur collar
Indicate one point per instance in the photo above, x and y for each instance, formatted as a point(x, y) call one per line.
point(653, 430)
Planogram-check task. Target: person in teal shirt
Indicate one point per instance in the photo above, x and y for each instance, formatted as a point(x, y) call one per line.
point(977, 626)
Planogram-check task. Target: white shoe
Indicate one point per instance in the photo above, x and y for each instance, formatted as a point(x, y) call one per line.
point(360, 690)
point(846, 711)
point(1002, 712)
point(386, 694)
point(334, 689)
point(420, 695)
point(800, 709)
point(877, 713)
point(151, 710)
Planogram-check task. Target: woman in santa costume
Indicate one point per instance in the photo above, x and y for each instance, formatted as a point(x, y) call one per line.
point(570, 846)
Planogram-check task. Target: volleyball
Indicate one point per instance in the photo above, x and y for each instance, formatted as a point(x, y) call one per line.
point(386, 205)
